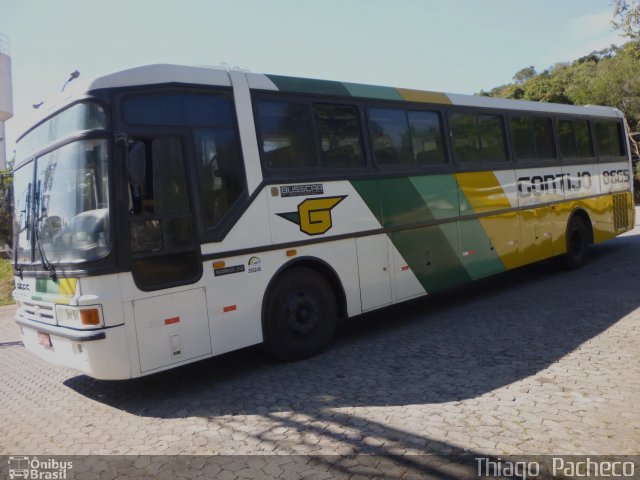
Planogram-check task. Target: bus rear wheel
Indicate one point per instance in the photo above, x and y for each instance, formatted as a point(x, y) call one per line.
point(577, 244)
point(299, 316)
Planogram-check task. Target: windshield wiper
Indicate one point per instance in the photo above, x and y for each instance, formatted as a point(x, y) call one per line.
point(46, 264)
point(27, 225)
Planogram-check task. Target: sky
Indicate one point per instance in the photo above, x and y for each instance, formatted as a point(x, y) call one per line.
point(457, 46)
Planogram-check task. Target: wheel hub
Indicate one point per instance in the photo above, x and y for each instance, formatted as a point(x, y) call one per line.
point(302, 313)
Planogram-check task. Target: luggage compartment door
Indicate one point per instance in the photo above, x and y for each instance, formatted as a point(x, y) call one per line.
point(172, 328)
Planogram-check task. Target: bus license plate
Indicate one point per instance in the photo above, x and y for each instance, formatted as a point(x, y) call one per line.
point(45, 339)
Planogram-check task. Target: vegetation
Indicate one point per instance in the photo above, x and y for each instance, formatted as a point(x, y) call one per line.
point(6, 225)
point(626, 17)
point(6, 282)
point(6, 238)
point(606, 77)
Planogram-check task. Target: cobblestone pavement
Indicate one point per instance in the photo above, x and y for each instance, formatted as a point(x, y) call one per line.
point(533, 361)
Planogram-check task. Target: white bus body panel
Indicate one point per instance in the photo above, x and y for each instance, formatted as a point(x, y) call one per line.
point(171, 328)
point(614, 177)
point(375, 272)
point(106, 359)
point(247, 130)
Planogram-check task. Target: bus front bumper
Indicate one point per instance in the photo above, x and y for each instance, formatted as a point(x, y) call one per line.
point(101, 353)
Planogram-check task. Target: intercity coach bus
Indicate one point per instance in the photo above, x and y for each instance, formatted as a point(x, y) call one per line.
point(166, 214)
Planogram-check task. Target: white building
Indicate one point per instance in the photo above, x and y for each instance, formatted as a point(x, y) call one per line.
point(6, 96)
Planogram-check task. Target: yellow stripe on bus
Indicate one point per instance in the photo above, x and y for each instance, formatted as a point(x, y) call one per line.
point(423, 96)
point(483, 192)
point(68, 286)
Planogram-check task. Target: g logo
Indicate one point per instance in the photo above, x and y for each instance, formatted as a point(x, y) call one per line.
point(314, 214)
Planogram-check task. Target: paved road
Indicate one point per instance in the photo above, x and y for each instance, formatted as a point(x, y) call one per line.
point(533, 361)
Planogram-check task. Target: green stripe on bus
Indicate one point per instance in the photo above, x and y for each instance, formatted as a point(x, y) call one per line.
point(441, 256)
point(368, 191)
point(440, 193)
point(370, 91)
point(430, 252)
point(477, 255)
point(401, 203)
point(307, 85)
point(46, 285)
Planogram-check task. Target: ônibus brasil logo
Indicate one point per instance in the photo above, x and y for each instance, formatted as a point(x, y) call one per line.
point(35, 468)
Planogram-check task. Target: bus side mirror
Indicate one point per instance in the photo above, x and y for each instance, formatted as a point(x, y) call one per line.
point(137, 163)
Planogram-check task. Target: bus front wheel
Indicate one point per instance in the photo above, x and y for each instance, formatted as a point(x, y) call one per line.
point(577, 243)
point(299, 316)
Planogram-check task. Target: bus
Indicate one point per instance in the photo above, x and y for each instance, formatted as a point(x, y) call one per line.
point(166, 214)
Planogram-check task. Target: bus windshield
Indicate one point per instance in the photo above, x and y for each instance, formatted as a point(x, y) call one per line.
point(71, 218)
point(62, 197)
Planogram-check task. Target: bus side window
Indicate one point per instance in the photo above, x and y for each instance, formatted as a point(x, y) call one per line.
point(609, 139)
point(532, 137)
point(575, 139)
point(478, 138)
point(219, 172)
point(339, 141)
point(287, 134)
point(389, 131)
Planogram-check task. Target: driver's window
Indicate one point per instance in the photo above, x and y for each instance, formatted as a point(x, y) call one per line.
point(161, 224)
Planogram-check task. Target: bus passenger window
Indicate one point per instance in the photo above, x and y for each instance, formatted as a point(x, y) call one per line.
point(478, 138)
point(389, 130)
point(575, 139)
point(219, 169)
point(608, 137)
point(338, 129)
point(532, 138)
point(426, 138)
point(287, 134)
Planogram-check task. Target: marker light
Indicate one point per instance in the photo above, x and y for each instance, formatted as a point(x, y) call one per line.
point(90, 316)
point(79, 317)
point(292, 253)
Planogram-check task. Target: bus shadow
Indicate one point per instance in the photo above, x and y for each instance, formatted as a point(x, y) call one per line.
point(450, 347)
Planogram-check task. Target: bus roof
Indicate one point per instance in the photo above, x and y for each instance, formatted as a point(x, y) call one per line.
point(162, 73)
point(203, 75)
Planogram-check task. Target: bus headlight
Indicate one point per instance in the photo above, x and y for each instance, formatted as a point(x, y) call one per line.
point(79, 317)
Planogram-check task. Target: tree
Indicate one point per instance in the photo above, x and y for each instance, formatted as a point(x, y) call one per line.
point(6, 222)
point(525, 74)
point(626, 17)
point(607, 77)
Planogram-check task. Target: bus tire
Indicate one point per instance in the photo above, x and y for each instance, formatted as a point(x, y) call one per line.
point(577, 243)
point(299, 316)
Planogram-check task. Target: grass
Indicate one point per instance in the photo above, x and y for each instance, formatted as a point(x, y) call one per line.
point(6, 282)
